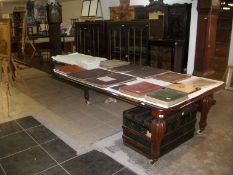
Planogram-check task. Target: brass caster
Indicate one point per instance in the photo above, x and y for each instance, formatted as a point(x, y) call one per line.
point(199, 132)
point(152, 162)
point(110, 100)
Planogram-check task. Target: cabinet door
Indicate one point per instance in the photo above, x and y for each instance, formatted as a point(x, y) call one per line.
point(128, 40)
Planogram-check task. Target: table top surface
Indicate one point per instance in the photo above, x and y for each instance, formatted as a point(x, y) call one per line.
point(192, 97)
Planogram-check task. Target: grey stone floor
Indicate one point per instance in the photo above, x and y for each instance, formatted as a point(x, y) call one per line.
point(29, 148)
point(61, 108)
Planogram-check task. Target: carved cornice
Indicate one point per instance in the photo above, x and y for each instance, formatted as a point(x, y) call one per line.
point(156, 6)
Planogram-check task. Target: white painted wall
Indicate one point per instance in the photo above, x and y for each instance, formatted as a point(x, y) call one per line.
point(9, 7)
point(230, 59)
point(192, 38)
point(71, 9)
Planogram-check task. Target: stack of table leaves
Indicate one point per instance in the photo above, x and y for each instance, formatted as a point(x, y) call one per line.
point(113, 63)
point(166, 96)
point(67, 69)
point(171, 77)
point(146, 71)
point(139, 89)
point(89, 74)
point(109, 79)
point(126, 68)
point(183, 87)
point(199, 82)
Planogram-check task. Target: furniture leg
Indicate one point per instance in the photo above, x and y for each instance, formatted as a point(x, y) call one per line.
point(8, 99)
point(21, 78)
point(158, 129)
point(86, 96)
point(148, 55)
point(205, 105)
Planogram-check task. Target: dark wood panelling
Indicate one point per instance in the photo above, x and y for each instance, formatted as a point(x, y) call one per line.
point(128, 40)
point(206, 38)
point(90, 38)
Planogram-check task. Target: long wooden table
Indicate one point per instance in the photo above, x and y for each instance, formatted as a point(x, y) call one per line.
point(205, 101)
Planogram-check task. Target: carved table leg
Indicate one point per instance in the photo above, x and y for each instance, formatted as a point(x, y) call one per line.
point(158, 129)
point(205, 105)
point(86, 96)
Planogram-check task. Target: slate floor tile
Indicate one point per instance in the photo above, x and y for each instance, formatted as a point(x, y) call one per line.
point(27, 162)
point(125, 171)
point(57, 170)
point(15, 143)
point(41, 134)
point(59, 150)
point(92, 163)
point(9, 128)
point(28, 122)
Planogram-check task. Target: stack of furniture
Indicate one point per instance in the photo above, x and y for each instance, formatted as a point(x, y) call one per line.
point(128, 40)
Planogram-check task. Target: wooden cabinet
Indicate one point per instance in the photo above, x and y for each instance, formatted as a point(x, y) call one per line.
point(206, 39)
point(134, 12)
point(18, 24)
point(166, 54)
point(128, 40)
point(90, 38)
point(175, 24)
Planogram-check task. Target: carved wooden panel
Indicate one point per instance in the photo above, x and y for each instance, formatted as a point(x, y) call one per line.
point(132, 13)
point(90, 38)
point(5, 38)
point(178, 21)
point(128, 40)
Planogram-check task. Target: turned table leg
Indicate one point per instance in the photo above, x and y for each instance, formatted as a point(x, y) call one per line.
point(205, 104)
point(86, 96)
point(158, 129)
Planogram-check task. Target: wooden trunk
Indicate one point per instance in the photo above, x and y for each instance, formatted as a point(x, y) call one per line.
point(180, 127)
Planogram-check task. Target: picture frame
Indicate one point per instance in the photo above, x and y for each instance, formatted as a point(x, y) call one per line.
point(5, 38)
point(229, 78)
point(89, 8)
